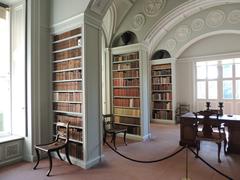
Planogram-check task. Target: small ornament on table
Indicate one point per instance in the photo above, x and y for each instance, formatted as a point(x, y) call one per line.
point(208, 106)
point(220, 105)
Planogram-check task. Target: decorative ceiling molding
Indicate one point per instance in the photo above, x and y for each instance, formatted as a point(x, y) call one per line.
point(153, 7)
point(177, 15)
point(234, 16)
point(98, 6)
point(215, 18)
point(138, 21)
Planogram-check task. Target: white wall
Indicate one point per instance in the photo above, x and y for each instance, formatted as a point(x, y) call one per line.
point(63, 9)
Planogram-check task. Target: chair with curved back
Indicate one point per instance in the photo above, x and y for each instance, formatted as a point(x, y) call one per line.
point(212, 130)
point(110, 128)
point(61, 141)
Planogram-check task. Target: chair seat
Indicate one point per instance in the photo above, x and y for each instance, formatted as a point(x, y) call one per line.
point(214, 137)
point(117, 130)
point(51, 146)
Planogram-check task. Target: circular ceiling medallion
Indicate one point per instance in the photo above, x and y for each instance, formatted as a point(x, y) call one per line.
point(153, 7)
point(215, 18)
point(182, 33)
point(234, 17)
point(197, 24)
point(138, 21)
point(170, 44)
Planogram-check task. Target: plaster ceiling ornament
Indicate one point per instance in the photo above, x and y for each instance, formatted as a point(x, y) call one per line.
point(153, 7)
point(197, 24)
point(98, 6)
point(170, 44)
point(182, 33)
point(139, 21)
point(215, 18)
point(234, 17)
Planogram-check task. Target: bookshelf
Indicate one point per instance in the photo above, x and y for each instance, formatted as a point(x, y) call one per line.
point(163, 90)
point(67, 84)
point(127, 94)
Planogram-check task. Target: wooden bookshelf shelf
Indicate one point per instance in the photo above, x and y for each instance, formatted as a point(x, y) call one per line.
point(126, 61)
point(162, 91)
point(67, 86)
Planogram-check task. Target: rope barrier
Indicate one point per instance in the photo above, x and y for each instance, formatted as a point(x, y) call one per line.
point(169, 156)
point(140, 161)
point(226, 176)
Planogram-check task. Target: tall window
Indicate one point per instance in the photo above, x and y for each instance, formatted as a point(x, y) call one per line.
point(5, 106)
point(218, 80)
point(12, 70)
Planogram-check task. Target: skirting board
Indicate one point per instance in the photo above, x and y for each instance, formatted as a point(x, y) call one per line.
point(81, 163)
point(11, 161)
point(163, 121)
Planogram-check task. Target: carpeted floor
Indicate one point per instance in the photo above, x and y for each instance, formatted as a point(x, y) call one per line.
point(113, 167)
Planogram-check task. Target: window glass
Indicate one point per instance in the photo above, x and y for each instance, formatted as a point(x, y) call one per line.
point(227, 89)
point(227, 70)
point(201, 70)
point(212, 90)
point(201, 90)
point(237, 70)
point(5, 118)
point(212, 71)
point(237, 89)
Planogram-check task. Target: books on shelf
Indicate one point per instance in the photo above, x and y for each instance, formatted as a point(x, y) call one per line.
point(67, 86)
point(162, 104)
point(126, 91)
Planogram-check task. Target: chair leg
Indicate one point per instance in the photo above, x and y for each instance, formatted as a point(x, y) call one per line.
point(225, 145)
point(219, 150)
point(124, 138)
point(104, 137)
point(59, 155)
point(114, 140)
point(50, 163)
point(67, 154)
point(38, 159)
point(198, 148)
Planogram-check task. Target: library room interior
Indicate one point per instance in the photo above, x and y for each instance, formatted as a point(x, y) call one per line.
point(119, 89)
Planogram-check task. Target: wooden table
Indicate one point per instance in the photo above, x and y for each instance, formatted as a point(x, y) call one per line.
point(188, 133)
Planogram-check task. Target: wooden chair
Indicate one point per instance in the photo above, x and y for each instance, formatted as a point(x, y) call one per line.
point(61, 141)
point(110, 128)
point(212, 130)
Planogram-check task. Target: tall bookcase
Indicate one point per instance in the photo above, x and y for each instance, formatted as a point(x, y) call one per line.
point(127, 90)
point(67, 77)
point(163, 90)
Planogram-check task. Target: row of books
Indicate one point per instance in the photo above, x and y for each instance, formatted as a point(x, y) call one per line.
point(67, 75)
point(167, 115)
point(127, 112)
point(162, 72)
point(161, 66)
point(162, 105)
point(75, 134)
point(126, 92)
point(162, 87)
point(125, 57)
point(67, 34)
point(68, 107)
point(128, 65)
point(67, 54)
point(75, 150)
point(76, 63)
point(126, 82)
point(162, 96)
point(74, 121)
point(67, 96)
point(161, 80)
point(126, 102)
point(66, 44)
point(126, 120)
point(67, 86)
point(126, 74)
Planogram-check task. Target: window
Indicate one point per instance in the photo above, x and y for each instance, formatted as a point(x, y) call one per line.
point(218, 80)
point(5, 96)
point(12, 70)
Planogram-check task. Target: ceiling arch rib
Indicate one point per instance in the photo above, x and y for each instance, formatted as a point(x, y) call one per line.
point(176, 16)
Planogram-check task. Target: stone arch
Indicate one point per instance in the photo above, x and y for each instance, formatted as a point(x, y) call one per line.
point(125, 38)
